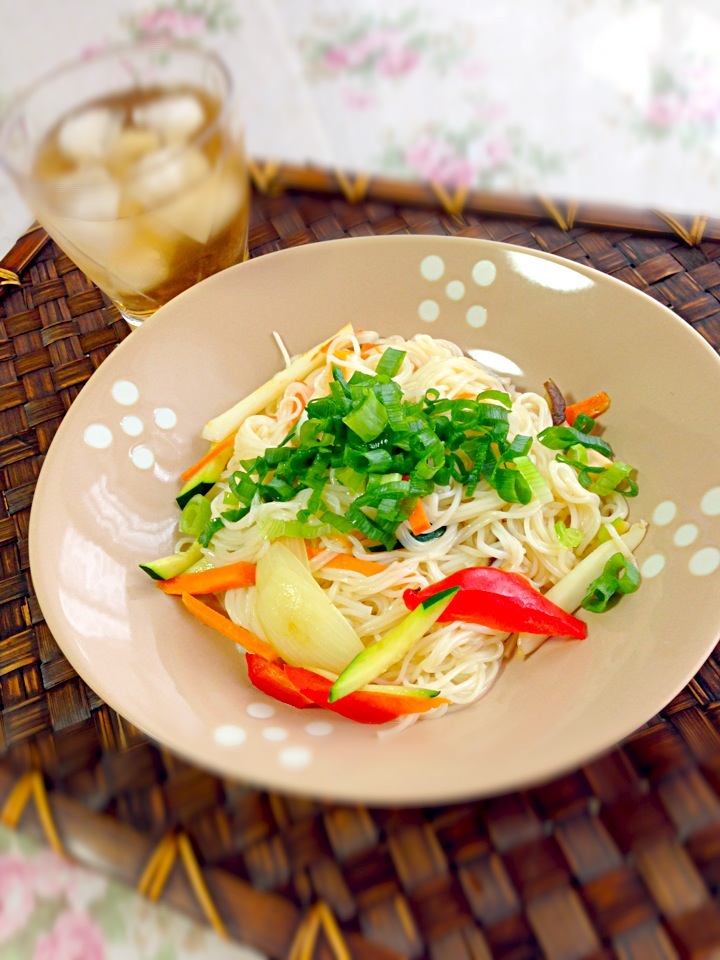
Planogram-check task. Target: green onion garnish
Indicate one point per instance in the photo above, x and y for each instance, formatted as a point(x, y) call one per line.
point(619, 577)
point(195, 515)
point(615, 477)
point(564, 437)
point(388, 451)
point(568, 537)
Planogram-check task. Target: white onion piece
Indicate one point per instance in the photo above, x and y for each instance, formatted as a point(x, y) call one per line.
point(296, 616)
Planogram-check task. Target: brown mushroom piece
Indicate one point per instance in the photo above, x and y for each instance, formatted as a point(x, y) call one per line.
point(556, 401)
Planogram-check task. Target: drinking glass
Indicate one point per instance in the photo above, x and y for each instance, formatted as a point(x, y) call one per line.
point(133, 161)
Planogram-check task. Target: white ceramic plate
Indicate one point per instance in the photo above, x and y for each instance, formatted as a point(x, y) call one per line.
point(105, 502)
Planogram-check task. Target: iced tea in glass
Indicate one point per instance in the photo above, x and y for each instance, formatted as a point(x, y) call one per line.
point(133, 162)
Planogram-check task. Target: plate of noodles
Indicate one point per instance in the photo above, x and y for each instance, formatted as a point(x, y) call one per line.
point(394, 520)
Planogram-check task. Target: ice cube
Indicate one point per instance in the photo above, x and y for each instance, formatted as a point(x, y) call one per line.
point(93, 237)
point(176, 118)
point(158, 177)
point(130, 146)
point(230, 195)
point(139, 265)
point(88, 193)
point(88, 134)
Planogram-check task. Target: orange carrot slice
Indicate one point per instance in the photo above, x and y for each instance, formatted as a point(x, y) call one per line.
point(591, 406)
point(418, 519)
point(215, 580)
point(224, 625)
point(346, 561)
point(210, 455)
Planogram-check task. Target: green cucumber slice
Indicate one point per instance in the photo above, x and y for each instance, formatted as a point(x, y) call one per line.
point(205, 478)
point(174, 564)
point(374, 660)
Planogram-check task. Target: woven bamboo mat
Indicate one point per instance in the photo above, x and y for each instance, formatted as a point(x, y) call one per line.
point(618, 859)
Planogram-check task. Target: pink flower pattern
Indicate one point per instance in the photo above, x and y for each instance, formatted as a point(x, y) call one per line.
point(434, 159)
point(17, 896)
point(383, 50)
point(75, 936)
point(167, 22)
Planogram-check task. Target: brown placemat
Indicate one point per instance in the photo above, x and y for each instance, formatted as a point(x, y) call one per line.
point(618, 859)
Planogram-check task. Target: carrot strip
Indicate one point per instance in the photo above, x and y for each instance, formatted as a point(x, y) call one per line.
point(418, 519)
point(224, 625)
point(591, 406)
point(346, 561)
point(210, 455)
point(215, 580)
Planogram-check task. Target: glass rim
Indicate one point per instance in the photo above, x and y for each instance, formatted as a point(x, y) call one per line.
point(114, 52)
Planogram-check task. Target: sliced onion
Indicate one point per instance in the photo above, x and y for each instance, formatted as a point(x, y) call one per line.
point(296, 616)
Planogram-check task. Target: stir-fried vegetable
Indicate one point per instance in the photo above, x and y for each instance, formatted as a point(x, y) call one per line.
point(502, 600)
point(228, 628)
point(362, 706)
point(364, 457)
point(568, 593)
point(619, 577)
point(377, 658)
point(298, 618)
point(270, 677)
point(592, 406)
point(213, 580)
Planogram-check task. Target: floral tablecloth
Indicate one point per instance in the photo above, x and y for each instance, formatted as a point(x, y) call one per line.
point(597, 100)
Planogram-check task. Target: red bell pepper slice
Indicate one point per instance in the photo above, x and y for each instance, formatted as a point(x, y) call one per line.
point(502, 600)
point(360, 706)
point(271, 679)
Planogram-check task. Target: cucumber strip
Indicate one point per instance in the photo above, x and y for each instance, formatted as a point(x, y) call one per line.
point(392, 689)
point(205, 478)
point(174, 564)
point(374, 660)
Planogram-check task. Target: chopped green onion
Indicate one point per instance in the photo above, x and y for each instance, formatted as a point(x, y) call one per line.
point(583, 423)
point(613, 478)
point(619, 577)
point(619, 524)
point(535, 480)
point(390, 362)
point(499, 395)
point(568, 537)
point(368, 419)
point(271, 529)
point(388, 451)
point(195, 515)
point(563, 437)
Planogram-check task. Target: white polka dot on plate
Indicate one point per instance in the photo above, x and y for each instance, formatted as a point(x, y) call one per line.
point(261, 711)
point(432, 267)
point(705, 561)
point(165, 418)
point(484, 272)
point(476, 316)
point(664, 513)
point(132, 426)
point(455, 290)
point(429, 311)
point(652, 566)
point(295, 757)
point(319, 728)
point(142, 457)
point(229, 735)
point(685, 535)
point(125, 393)
point(97, 435)
point(275, 734)
point(710, 503)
